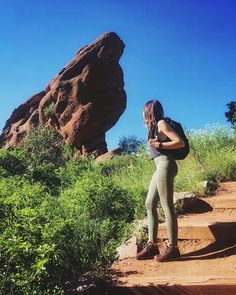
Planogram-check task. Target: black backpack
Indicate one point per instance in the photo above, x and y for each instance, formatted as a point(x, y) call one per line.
point(178, 154)
point(181, 153)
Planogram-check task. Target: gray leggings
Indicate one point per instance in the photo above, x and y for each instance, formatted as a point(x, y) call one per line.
point(162, 188)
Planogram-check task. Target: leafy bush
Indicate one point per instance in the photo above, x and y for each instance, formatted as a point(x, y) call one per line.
point(46, 174)
point(47, 240)
point(12, 162)
point(44, 145)
point(73, 169)
point(23, 251)
point(99, 197)
point(117, 164)
point(48, 111)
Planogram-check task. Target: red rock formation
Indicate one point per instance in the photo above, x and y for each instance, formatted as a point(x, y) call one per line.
point(82, 102)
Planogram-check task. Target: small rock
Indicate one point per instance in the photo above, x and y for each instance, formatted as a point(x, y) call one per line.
point(128, 249)
point(183, 195)
point(205, 183)
point(186, 200)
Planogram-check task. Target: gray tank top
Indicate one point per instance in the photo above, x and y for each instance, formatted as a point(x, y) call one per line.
point(154, 152)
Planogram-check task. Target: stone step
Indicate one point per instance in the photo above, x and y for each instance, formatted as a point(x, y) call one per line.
point(167, 289)
point(205, 267)
point(221, 202)
point(207, 243)
point(206, 226)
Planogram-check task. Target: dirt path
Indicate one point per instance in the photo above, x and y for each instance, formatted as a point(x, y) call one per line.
point(206, 260)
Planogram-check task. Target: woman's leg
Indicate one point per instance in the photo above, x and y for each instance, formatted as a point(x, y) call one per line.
point(151, 206)
point(151, 249)
point(165, 185)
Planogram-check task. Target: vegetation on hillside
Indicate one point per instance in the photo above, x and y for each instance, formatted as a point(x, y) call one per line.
point(61, 216)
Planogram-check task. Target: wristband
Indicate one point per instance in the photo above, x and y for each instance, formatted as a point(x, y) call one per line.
point(160, 145)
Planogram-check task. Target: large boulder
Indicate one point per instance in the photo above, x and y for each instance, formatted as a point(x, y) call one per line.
point(82, 102)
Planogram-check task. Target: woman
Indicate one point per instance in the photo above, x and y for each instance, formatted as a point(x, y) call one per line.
point(162, 139)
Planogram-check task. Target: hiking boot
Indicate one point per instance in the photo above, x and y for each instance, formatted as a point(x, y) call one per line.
point(148, 252)
point(170, 253)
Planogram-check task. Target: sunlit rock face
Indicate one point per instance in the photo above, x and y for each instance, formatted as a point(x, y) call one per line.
point(82, 102)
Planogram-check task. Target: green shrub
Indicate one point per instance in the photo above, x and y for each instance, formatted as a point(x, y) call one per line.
point(47, 240)
point(73, 169)
point(48, 111)
point(129, 170)
point(46, 174)
point(117, 164)
point(138, 193)
point(23, 251)
point(12, 162)
point(99, 197)
point(43, 145)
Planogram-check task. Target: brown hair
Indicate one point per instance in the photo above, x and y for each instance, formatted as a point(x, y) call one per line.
point(152, 112)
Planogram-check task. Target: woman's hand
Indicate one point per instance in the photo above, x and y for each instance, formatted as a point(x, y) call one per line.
point(153, 142)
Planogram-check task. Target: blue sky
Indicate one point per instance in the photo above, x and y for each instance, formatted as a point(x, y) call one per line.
point(182, 52)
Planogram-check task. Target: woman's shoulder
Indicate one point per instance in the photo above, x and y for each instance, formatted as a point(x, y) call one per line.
point(161, 123)
point(163, 126)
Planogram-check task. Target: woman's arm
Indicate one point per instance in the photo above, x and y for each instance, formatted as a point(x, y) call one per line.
point(175, 140)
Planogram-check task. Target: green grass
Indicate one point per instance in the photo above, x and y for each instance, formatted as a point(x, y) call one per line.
point(212, 157)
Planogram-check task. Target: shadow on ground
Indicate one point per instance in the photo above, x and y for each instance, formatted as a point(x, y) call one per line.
point(174, 290)
point(215, 250)
point(195, 205)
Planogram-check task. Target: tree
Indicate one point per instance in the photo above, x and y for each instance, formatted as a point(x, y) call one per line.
point(231, 114)
point(130, 144)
